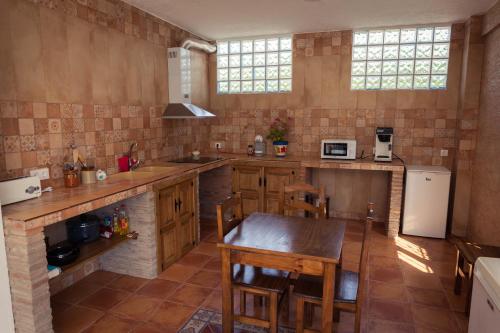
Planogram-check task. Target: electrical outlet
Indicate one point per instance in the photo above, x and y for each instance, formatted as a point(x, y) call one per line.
point(42, 173)
point(444, 152)
point(219, 145)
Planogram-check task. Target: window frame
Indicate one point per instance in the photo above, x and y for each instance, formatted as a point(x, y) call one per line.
point(262, 68)
point(362, 75)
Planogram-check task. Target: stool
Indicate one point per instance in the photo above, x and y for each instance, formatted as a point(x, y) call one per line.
point(467, 254)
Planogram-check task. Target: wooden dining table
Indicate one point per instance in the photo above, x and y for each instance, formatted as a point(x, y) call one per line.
point(293, 244)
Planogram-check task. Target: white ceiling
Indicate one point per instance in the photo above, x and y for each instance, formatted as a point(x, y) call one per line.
point(220, 19)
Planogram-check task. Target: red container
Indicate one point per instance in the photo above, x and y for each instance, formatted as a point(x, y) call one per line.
point(123, 164)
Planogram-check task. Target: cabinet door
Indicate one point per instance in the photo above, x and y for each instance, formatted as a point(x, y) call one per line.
point(166, 224)
point(186, 216)
point(248, 181)
point(274, 180)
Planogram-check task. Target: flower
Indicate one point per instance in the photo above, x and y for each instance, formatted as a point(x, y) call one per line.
point(278, 130)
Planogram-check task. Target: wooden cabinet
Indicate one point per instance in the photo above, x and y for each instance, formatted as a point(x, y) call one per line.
point(248, 181)
point(176, 220)
point(260, 186)
point(274, 180)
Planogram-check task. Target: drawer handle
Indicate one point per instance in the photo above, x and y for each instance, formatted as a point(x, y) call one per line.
point(490, 305)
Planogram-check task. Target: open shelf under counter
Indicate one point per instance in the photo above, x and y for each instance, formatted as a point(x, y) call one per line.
point(93, 249)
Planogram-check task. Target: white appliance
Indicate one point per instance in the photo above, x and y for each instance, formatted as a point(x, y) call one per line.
point(383, 144)
point(180, 88)
point(6, 315)
point(338, 149)
point(485, 303)
point(426, 201)
point(19, 189)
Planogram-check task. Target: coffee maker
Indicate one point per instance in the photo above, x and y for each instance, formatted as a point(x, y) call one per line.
point(383, 144)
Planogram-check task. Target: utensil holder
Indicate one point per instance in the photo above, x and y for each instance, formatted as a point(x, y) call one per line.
point(71, 178)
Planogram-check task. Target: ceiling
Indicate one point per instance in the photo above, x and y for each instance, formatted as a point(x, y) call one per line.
point(220, 19)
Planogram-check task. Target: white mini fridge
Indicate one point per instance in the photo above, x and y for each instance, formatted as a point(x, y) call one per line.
point(485, 304)
point(426, 201)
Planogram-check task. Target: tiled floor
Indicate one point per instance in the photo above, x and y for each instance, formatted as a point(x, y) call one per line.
point(409, 289)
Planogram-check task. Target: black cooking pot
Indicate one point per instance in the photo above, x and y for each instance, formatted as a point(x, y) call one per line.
point(62, 254)
point(83, 229)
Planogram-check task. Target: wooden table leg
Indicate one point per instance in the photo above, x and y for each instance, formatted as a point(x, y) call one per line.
point(328, 297)
point(227, 292)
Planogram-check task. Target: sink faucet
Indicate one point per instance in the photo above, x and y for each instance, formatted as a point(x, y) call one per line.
point(132, 163)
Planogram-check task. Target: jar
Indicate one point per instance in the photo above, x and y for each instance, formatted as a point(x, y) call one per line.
point(88, 175)
point(71, 178)
point(250, 150)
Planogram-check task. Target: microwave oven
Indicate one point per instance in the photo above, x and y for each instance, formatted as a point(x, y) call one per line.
point(338, 149)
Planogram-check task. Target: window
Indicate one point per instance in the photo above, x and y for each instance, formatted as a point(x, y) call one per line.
point(254, 65)
point(406, 58)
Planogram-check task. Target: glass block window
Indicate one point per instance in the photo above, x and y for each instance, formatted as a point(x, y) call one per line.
point(406, 58)
point(262, 65)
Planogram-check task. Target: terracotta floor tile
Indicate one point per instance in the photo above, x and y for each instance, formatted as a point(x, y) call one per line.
point(158, 288)
point(136, 307)
point(76, 292)
point(428, 297)
point(391, 311)
point(210, 249)
point(190, 295)
point(388, 275)
point(207, 279)
point(415, 278)
point(462, 321)
point(177, 272)
point(381, 326)
point(457, 302)
point(194, 259)
point(215, 264)
point(172, 315)
point(448, 282)
point(213, 301)
point(128, 283)
point(380, 261)
point(446, 269)
point(387, 291)
point(112, 324)
point(153, 328)
point(58, 307)
point(76, 319)
point(432, 317)
point(104, 299)
point(102, 277)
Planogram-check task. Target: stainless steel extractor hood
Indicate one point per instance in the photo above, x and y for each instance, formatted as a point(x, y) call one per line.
point(180, 88)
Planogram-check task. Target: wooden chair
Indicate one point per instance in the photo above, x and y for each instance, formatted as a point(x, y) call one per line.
point(270, 284)
point(467, 254)
point(349, 286)
point(289, 201)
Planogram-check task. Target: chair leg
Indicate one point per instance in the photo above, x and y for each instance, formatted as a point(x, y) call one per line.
point(273, 312)
point(243, 302)
point(336, 315)
point(357, 322)
point(308, 313)
point(458, 278)
point(299, 320)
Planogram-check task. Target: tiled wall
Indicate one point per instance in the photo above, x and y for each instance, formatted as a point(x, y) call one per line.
point(467, 117)
point(89, 73)
point(323, 106)
point(484, 223)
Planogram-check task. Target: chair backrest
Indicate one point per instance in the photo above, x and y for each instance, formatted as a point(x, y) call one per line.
point(363, 262)
point(229, 215)
point(290, 202)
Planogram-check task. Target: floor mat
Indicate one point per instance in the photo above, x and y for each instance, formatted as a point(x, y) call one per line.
point(206, 321)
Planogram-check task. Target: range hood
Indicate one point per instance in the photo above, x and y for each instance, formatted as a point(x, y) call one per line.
point(180, 87)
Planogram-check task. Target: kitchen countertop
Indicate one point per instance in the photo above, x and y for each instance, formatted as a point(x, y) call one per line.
point(47, 208)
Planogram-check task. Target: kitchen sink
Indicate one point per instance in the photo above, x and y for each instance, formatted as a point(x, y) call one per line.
point(154, 169)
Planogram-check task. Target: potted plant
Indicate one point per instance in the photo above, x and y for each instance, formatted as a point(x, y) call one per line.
point(277, 133)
